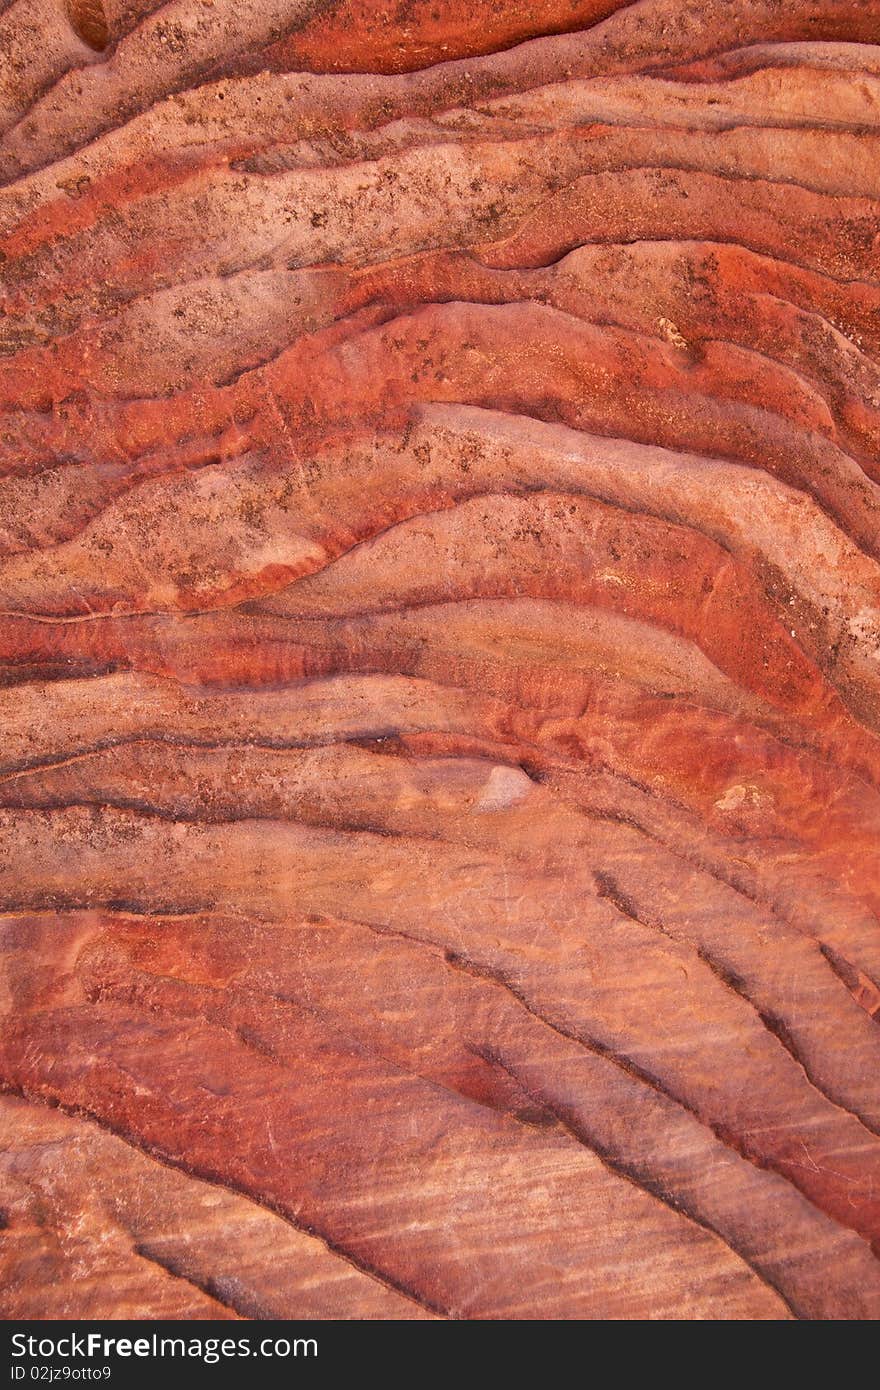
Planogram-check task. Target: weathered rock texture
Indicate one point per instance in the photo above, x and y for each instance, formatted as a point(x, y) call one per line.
point(440, 638)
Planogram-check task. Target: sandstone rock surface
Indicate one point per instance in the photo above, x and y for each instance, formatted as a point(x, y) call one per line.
point(440, 656)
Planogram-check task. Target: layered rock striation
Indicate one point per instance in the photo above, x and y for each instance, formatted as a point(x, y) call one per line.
point(440, 655)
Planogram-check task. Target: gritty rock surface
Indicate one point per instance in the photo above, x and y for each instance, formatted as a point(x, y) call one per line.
point(440, 659)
